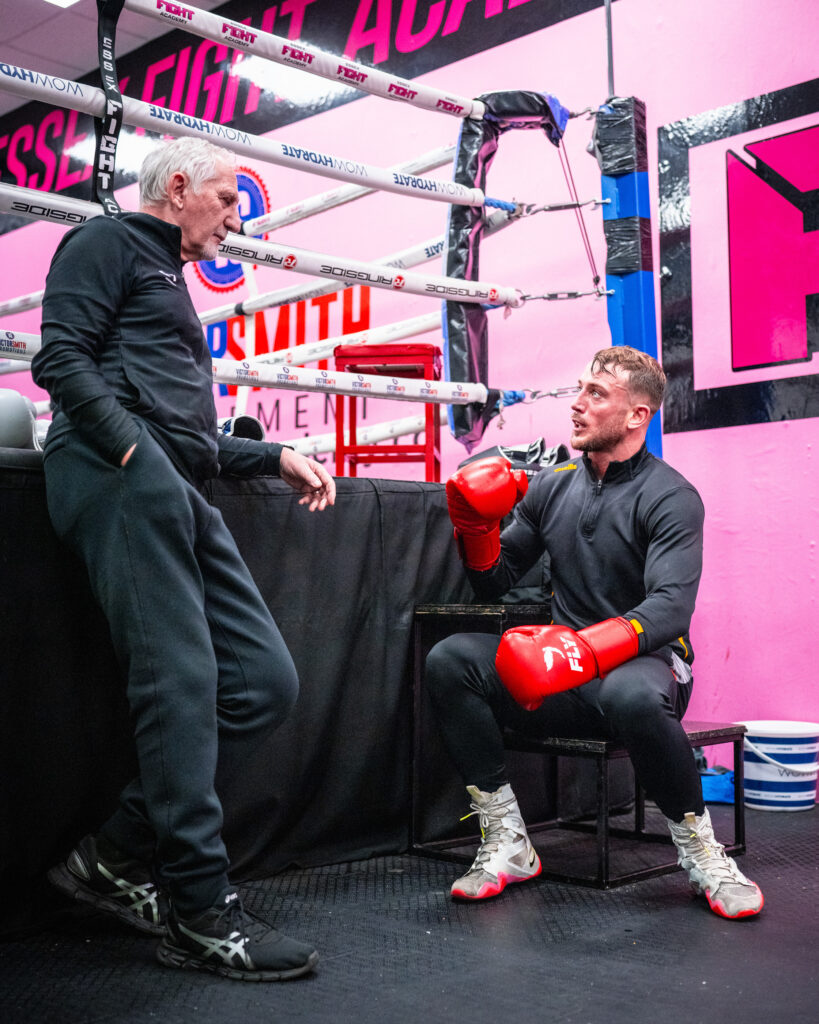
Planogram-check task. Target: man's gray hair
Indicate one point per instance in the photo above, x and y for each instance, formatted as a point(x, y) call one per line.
point(196, 158)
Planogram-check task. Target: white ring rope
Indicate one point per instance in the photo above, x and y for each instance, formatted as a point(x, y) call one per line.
point(20, 346)
point(320, 443)
point(339, 196)
point(414, 255)
point(28, 202)
point(306, 57)
point(316, 350)
point(377, 275)
point(341, 270)
point(8, 366)
point(16, 345)
point(358, 385)
point(32, 85)
point(296, 378)
point(270, 300)
point(22, 304)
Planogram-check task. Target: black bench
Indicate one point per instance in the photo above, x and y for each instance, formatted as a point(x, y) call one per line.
point(602, 753)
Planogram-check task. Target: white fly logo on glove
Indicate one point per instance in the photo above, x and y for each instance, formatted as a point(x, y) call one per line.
point(548, 656)
point(572, 653)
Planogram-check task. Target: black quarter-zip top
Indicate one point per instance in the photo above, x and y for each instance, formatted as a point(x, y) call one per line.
point(629, 544)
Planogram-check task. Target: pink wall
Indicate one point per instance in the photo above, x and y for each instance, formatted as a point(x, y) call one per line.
point(753, 629)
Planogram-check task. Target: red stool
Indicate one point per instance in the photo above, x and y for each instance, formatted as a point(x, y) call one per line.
point(411, 360)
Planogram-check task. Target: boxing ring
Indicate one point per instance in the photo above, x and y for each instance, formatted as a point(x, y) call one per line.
point(462, 304)
point(386, 543)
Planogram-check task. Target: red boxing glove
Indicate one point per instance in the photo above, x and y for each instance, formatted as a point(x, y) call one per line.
point(478, 496)
point(534, 662)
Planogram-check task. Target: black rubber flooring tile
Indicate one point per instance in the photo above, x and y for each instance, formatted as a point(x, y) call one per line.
point(396, 948)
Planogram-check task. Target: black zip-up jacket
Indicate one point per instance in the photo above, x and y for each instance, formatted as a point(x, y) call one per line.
point(121, 342)
point(627, 545)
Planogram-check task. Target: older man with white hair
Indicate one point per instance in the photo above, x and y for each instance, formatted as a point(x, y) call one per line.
point(134, 438)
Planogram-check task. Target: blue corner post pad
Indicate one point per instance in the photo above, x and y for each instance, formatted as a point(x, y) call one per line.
point(630, 307)
point(627, 194)
point(632, 321)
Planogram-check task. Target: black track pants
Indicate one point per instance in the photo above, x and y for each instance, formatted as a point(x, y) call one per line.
point(639, 703)
point(208, 674)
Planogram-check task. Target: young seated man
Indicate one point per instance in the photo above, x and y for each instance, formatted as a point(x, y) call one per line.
point(623, 532)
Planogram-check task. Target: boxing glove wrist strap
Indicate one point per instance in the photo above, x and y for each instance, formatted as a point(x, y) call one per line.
point(612, 641)
point(478, 551)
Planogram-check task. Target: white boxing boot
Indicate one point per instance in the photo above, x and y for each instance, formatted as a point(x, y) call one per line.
point(712, 873)
point(505, 855)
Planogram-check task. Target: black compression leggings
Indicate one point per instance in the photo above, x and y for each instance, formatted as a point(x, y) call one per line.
point(640, 704)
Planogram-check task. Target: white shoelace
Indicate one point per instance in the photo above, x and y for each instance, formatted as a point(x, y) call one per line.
point(710, 857)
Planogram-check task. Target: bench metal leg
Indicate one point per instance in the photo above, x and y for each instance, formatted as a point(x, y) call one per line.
point(602, 821)
point(739, 796)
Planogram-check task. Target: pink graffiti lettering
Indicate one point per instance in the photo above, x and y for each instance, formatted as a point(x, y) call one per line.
point(374, 27)
point(67, 178)
point(406, 41)
point(773, 252)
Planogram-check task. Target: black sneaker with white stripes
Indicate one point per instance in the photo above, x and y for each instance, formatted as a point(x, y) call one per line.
point(114, 884)
point(235, 943)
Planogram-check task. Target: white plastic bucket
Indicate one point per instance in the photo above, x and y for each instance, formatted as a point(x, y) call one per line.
point(780, 762)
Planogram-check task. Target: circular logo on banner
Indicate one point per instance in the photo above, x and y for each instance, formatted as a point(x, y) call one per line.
point(222, 275)
point(290, 261)
point(398, 281)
